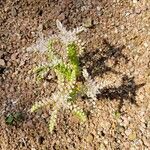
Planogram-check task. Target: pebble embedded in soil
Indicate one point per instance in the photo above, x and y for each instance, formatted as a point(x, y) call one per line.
point(2, 63)
point(14, 12)
point(135, 1)
point(61, 17)
point(88, 23)
point(1, 54)
point(40, 139)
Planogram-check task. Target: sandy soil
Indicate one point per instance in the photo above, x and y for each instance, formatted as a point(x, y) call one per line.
point(117, 48)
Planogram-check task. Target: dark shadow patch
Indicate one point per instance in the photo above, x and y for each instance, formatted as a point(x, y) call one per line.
point(126, 91)
point(96, 65)
point(96, 61)
point(41, 140)
point(114, 52)
point(40, 12)
point(2, 70)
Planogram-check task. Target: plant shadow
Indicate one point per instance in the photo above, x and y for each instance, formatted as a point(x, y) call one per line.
point(126, 91)
point(95, 62)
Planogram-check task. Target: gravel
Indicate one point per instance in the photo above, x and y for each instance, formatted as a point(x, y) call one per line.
point(118, 30)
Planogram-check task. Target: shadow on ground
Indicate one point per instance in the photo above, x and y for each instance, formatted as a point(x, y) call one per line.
point(97, 66)
point(126, 91)
point(97, 59)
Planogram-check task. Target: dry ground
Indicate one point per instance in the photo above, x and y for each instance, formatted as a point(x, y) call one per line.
point(117, 48)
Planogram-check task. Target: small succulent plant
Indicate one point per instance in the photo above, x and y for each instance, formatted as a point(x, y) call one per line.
point(13, 117)
point(65, 64)
point(63, 51)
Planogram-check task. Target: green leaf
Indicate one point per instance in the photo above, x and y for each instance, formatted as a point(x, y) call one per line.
point(73, 57)
point(37, 106)
point(9, 119)
point(117, 114)
point(73, 95)
point(18, 116)
point(50, 45)
point(52, 121)
point(80, 114)
point(64, 70)
point(41, 71)
point(50, 52)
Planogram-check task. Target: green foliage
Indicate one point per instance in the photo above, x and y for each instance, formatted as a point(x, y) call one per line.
point(64, 70)
point(18, 116)
point(9, 119)
point(41, 72)
point(67, 70)
point(13, 117)
point(52, 121)
point(117, 114)
point(73, 57)
point(37, 106)
point(80, 114)
point(51, 51)
point(73, 95)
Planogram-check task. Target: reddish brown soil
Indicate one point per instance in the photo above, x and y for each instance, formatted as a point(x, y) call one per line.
point(117, 46)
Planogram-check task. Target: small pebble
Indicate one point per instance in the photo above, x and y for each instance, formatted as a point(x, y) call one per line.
point(128, 132)
point(135, 1)
point(1, 54)
point(2, 63)
point(88, 23)
point(98, 8)
point(132, 136)
point(61, 17)
point(14, 12)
